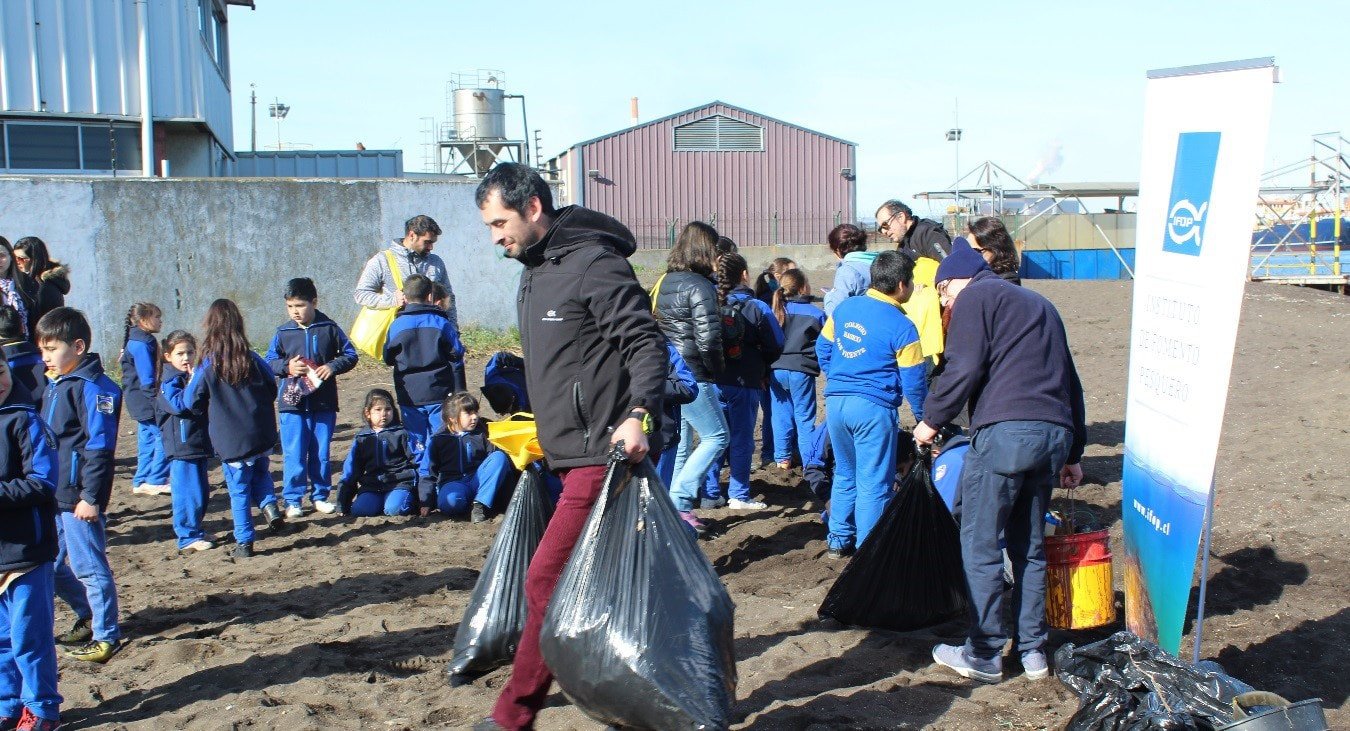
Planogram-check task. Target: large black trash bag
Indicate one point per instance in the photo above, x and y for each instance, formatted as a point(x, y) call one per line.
point(639, 631)
point(495, 616)
point(1125, 683)
point(907, 575)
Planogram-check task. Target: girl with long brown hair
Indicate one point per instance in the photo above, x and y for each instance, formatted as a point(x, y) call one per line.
point(792, 385)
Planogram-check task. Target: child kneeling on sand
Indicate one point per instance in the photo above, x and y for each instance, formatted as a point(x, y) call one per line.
point(461, 471)
point(381, 470)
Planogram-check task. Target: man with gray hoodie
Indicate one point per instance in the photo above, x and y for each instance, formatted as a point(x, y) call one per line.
point(413, 255)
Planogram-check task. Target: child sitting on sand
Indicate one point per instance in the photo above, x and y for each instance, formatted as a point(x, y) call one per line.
point(380, 471)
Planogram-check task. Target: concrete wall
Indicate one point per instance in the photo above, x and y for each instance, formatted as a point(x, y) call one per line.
point(183, 243)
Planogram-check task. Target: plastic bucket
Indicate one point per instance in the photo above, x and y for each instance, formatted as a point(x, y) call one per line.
point(1302, 716)
point(1078, 581)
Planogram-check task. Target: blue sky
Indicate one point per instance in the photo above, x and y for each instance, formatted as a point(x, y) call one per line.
point(1033, 78)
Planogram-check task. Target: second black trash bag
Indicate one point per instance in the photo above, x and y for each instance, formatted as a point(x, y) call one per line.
point(907, 575)
point(639, 632)
point(495, 616)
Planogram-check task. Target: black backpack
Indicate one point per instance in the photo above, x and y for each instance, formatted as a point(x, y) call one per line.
point(734, 327)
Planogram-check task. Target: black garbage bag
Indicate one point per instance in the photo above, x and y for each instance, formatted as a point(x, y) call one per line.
point(639, 632)
point(495, 616)
point(1127, 683)
point(907, 575)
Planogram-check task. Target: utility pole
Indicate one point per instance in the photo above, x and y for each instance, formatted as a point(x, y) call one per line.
point(954, 135)
point(253, 131)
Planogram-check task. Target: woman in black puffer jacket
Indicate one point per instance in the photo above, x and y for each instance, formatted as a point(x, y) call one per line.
point(685, 303)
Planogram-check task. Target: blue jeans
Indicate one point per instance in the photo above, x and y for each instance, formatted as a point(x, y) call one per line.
point(250, 485)
point(1005, 488)
point(703, 415)
point(482, 486)
point(862, 435)
point(27, 650)
point(189, 486)
point(152, 467)
point(304, 451)
point(84, 580)
point(395, 502)
point(794, 413)
point(421, 422)
point(739, 405)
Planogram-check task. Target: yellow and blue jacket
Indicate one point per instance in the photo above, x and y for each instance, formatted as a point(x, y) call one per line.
point(869, 348)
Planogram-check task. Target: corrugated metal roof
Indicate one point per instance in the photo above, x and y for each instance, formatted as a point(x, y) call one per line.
point(709, 105)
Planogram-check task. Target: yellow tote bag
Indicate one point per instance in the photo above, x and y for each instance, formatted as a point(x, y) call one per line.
point(518, 436)
point(371, 328)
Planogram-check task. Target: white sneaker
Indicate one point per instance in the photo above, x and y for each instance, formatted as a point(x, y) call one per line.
point(734, 504)
point(325, 507)
point(148, 489)
point(294, 511)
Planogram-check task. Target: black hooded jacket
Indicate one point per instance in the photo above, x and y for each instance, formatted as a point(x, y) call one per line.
point(593, 351)
point(686, 310)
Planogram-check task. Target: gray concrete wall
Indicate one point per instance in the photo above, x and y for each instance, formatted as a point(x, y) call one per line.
point(183, 243)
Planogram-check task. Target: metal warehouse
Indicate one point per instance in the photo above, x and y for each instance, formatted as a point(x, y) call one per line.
point(758, 180)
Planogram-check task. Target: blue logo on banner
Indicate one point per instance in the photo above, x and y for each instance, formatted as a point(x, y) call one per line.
point(1192, 181)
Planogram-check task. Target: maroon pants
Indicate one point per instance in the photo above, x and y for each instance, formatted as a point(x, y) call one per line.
point(525, 693)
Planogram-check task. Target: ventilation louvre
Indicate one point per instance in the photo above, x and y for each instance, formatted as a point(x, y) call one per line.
point(719, 133)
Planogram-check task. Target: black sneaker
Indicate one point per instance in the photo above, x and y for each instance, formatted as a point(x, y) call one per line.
point(478, 514)
point(711, 503)
point(80, 633)
point(838, 553)
point(242, 550)
point(275, 520)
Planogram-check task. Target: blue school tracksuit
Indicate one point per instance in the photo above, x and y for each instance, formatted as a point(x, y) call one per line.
point(869, 352)
point(380, 473)
point(27, 371)
point(792, 386)
point(307, 427)
point(242, 429)
point(187, 444)
point(28, 546)
point(140, 385)
point(428, 360)
point(681, 388)
point(459, 469)
point(82, 408)
point(741, 388)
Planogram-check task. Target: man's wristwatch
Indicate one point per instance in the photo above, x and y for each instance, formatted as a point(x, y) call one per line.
point(644, 419)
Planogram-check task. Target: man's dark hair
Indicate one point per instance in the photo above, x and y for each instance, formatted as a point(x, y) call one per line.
point(890, 270)
point(421, 225)
point(418, 288)
point(894, 206)
point(66, 325)
point(517, 184)
point(11, 324)
point(301, 288)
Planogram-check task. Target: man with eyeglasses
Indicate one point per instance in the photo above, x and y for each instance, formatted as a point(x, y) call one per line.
point(917, 236)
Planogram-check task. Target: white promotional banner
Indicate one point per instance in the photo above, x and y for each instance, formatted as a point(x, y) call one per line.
point(1203, 146)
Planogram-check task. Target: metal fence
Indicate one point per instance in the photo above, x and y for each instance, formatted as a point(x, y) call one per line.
point(769, 229)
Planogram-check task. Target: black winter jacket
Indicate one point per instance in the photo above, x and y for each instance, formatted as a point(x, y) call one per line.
point(927, 238)
point(82, 408)
point(451, 457)
point(686, 310)
point(321, 342)
point(242, 422)
point(27, 489)
point(593, 351)
point(186, 436)
point(378, 462)
point(140, 374)
point(27, 371)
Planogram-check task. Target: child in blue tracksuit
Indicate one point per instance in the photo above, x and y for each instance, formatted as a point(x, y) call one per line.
point(187, 444)
point(28, 546)
point(140, 386)
point(307, 347)
point(234, 389)
point(681, 388)
point(751, 341)
point(792, 385)
point(82, 406)
point(26, 370)
point(424, 349)
point(870, 354)
point(380, 473)
point(461, 472)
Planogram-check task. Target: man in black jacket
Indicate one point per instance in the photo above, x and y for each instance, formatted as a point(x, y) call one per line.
point(917, 236)
point(595, 370)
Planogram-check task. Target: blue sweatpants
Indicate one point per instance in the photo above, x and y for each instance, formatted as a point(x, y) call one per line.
point(250, 485)
point(189, 485)
point(862, 434)
point(27, 649)
point(421, 422)
point(152, 467)
point(794, 413)
point(766, 427)
point(394, 502)
point(84, 579)
point(305, 440)
point(739, 405)
point(483, 485)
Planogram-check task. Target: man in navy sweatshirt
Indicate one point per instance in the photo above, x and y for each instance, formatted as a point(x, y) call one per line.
point(1008, 359)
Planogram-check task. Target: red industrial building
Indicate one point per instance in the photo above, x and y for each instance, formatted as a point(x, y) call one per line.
point(757, 179)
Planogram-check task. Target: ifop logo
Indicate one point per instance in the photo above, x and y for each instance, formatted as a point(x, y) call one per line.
point(1192, 182)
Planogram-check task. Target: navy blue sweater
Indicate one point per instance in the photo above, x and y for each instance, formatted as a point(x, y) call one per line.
point(27, 371)
point(1008, 358)
point(428, 359)
point(140, 374)
point(801, 327)
point(27, 488)
point(240, 418)
point(760, 345)
point(82, 408)
point(450, 457)
point(322, 342)
point(185, 435)
point(378, 462)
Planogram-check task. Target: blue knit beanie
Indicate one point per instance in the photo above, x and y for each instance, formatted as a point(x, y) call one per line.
point(963, 263)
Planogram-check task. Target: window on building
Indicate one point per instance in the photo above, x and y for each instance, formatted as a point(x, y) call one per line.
point(719, 133)
point(211, 23)
point(100, 145)
point(74, 147)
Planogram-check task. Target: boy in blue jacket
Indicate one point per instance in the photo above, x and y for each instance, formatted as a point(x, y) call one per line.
point(870, 354)
point(28, 693)
point(27, 372)
point(424, 349)
point(82, 406)
point(307, 347)
point(460, 470)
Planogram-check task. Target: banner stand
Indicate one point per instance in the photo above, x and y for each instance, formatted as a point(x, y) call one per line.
point(1204, 575)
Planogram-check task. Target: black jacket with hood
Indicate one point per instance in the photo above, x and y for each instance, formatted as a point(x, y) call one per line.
point(593, 351)
point(927, 238)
